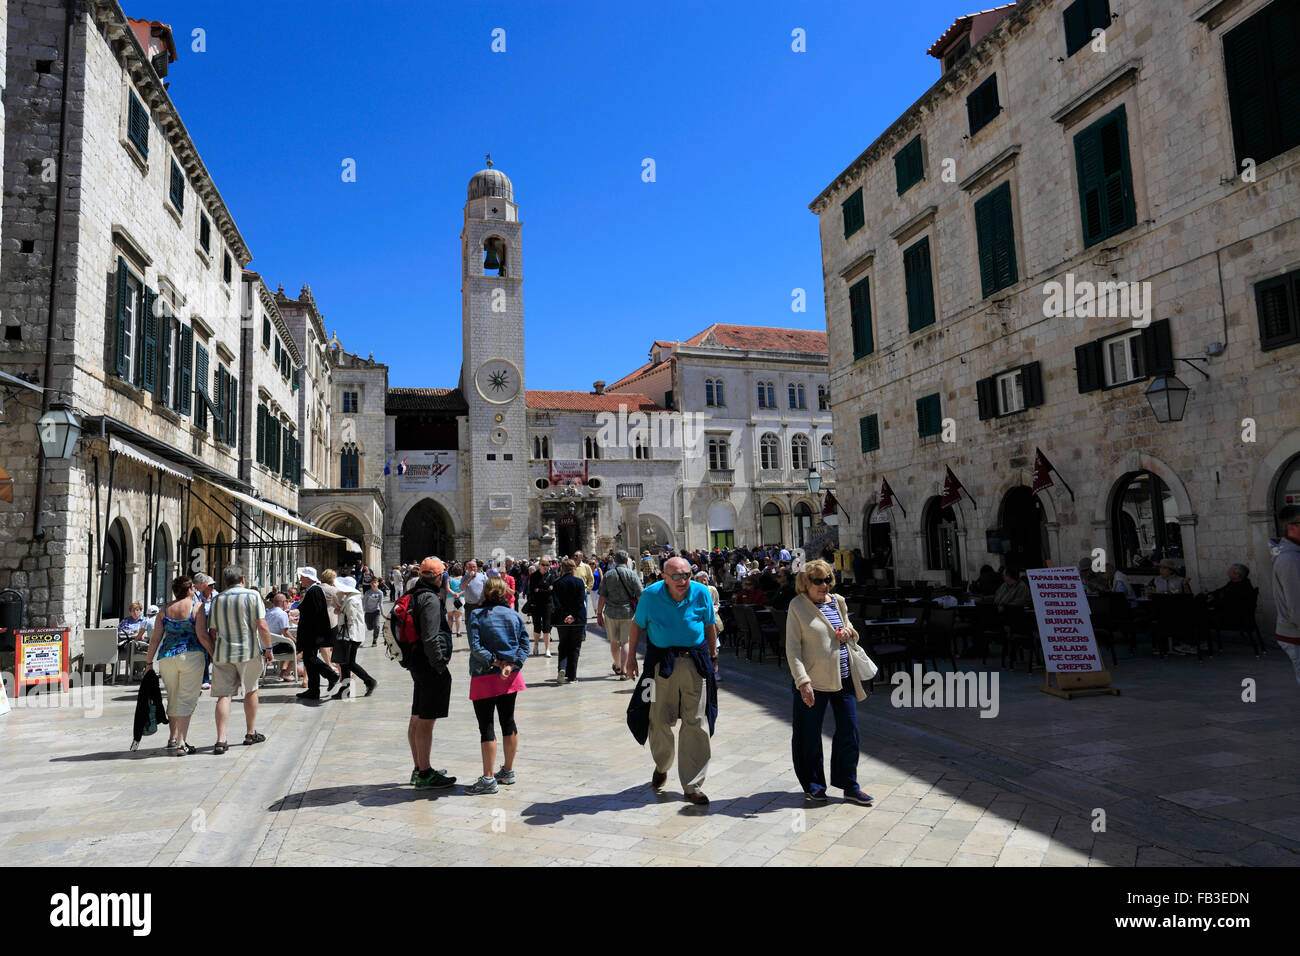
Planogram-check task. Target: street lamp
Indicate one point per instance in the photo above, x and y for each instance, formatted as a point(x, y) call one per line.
point(814, 480)
point(59, 430)
point(1168, 394)
point(1168, 397)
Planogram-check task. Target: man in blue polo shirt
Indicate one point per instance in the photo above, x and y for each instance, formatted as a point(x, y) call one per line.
point(676, 615)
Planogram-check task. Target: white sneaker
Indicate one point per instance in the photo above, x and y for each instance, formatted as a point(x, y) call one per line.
point(1184, 649)
point(559, 679)
point(548, 653)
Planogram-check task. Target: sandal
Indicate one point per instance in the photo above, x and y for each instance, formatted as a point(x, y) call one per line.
point(220, 747)
point(250, 739)
point(186, 748)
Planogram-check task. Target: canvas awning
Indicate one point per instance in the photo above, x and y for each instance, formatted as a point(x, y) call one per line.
point(123, 447)
point(276, 511)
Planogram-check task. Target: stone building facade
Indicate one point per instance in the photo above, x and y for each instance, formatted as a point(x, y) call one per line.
point(758, 407)
point(963, 253)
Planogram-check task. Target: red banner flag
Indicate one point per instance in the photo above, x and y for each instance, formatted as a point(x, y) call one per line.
point(886, 495)
point(830, 505)
point(952, 489)
point(1042, 467)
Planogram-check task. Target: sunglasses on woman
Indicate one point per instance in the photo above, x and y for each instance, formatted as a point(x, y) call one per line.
point(819, 581)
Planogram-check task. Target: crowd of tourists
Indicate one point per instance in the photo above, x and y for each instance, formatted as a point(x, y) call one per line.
point(665, 605)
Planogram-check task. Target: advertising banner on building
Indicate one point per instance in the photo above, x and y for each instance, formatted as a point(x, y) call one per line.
point(568, 472)
point(1064, 621)
point(40, 657)
point(426, 471)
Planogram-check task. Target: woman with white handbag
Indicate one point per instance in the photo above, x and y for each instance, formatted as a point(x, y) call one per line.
point(829, 668)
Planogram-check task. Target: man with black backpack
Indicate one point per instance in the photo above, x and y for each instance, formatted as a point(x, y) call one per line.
point(619, 591)
point(427, 658)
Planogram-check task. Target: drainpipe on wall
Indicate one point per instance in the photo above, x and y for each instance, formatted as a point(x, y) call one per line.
point(38, 529)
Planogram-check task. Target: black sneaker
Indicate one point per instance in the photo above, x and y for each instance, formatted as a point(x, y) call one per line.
point(816, 794)
point(433, 780)
point(857, 796)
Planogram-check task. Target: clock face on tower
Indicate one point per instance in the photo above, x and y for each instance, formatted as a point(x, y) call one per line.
point(497, 381)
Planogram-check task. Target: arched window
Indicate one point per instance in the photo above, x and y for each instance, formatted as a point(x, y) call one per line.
point(799, 448)
point(771, 524)
point(494, 257)
point(828, 448)
point(766, 395)
point(718, 397)
point(349, 467)
point(590, 447)
point(1144, 523)
point(803, 396)
point(769, 451)
point(719, 454)
point(823, 399)
point(640, 450)
point(790, 390)
point(798, 396)
point(541, 447)
point(708, 392)
point(803, 518)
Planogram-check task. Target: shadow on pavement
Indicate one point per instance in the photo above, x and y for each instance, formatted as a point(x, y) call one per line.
point(366, 795)
point(541, 814)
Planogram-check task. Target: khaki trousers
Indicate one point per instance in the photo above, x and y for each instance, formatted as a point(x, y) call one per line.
point(680, 696)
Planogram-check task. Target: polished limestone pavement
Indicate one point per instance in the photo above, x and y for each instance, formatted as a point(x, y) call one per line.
point(1178, 770)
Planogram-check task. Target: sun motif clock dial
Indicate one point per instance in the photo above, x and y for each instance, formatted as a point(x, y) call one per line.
point(497, 381)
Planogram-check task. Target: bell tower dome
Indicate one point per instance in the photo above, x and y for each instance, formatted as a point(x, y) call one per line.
point(492, 376)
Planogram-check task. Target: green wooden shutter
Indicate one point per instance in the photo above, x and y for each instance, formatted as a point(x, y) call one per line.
point(219, 407)
point(1276, 302)
point(986, 398)
point(147, 378)
point(1088, 367)
point(1087, 161)
point(1260, 60)
point(852, 211)
point(121, 318)
point(165, 324)
point(266, 332)
point(232, 411)
point(137, 125)
point(177, 190)
point(909, 168)
point(261, 435)
point(185, 381)
point(1157, 349)
point(928, 412)
point(984, 237)
point(860, 318)
point(201, 385)
point(1004, 250)
point(1076, 27)
point(869, 433)
point(1032, 379)
point(1284, 31)
point(919, 282)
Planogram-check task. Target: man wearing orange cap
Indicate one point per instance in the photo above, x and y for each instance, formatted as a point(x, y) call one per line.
point(429, 661)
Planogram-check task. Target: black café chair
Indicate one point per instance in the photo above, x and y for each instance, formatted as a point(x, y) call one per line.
point(1104, 621)
point(1238, 617)
point(767, 632)
point(1019, 631)
point(940, 636)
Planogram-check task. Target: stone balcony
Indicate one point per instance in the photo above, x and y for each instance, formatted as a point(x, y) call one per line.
point(722, 477)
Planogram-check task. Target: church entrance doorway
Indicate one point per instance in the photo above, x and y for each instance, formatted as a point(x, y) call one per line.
point(567, 535)
point(1022, 525)
point(427, 532)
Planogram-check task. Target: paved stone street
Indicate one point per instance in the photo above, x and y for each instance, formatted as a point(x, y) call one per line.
point(1185, 771)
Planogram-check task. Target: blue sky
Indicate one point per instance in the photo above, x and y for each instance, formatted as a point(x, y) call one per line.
point(744, 133)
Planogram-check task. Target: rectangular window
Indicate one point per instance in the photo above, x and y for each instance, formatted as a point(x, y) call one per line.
point(1122, 356)
point(919, 281)
point(1105, 178)
point(168, 347)
point(909, 167)
point(350, 403)
point(205, 233)
point(1278, 302)
point(266, 332)
point(854, 217)
point(996, 238)
point(124, 323)
point(146, 354)
point(1011, 392)
point(982, 105)
point(762, 395)
point(185, 371)
point(869, 432)
point(225, 267)
point(261, 434)
point(1081, 18)
point(1262, 62)
point(719, 454)
point(860, 317)
point(929, 416)
point(177, 191)
point(137, 125)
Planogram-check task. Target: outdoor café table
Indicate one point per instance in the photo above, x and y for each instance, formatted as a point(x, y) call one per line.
point(899, 620)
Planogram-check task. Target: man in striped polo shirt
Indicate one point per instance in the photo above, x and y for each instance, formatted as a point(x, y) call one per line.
point(241, 648)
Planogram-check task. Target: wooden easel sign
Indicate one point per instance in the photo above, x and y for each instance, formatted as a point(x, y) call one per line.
point(1065, 630)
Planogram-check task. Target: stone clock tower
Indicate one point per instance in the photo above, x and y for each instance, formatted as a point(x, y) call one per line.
point(492, 373)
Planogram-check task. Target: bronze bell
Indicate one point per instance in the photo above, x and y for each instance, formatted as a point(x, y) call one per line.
point(491, 261)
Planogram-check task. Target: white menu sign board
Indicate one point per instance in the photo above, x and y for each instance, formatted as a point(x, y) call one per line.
point(1064, 621)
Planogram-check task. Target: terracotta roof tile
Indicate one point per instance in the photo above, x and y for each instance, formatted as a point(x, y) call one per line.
point(425, 400)
point(588, 402)
point(760, 339)
point(648, 366)
point(959, 25)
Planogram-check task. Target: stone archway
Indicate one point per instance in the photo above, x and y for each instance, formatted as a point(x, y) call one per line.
point(427, 530)
point(1023, 521)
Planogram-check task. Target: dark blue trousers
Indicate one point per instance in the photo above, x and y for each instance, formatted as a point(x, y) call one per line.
point(806, 742)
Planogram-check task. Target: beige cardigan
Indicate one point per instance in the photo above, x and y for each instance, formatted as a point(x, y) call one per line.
point(813, 650)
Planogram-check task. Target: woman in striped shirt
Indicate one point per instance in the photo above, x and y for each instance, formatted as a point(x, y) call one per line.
point(817, 639)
